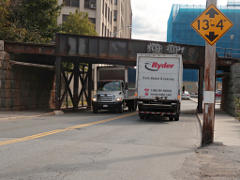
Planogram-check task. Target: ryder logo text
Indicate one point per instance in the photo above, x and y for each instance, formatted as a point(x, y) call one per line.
point(154, 66)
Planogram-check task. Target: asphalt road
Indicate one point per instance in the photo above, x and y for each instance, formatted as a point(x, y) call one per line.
point(87, 146)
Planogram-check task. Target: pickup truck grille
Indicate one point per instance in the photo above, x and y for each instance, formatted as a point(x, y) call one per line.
point(105, 98)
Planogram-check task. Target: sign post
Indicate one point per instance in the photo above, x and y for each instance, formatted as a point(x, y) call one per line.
point(211, 25)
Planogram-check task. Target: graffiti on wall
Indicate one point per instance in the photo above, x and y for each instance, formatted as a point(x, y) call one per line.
point(168, 49)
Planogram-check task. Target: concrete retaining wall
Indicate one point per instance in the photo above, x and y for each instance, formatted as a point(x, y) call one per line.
point(231, 89)
point(25, 87)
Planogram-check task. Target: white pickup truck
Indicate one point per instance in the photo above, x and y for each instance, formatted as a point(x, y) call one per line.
point(159, 85)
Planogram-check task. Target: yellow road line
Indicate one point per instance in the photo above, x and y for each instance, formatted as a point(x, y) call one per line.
point(36, 136)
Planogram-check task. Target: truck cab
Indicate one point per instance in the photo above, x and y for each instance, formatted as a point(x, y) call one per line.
point(110, 95)
point(112, 90)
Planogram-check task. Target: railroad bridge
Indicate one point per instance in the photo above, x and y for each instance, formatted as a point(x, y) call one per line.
point(70, 59)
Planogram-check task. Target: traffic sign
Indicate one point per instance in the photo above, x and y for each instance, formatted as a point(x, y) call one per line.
point(212, 24)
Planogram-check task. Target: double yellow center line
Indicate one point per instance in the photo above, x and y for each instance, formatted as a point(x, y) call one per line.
point(36, 136)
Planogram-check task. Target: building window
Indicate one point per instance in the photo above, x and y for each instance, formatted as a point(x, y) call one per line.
point(92, 20)
point(115, 15)
point(115, 2)
point(115, 31)
point(71, 3)
point(106, 9)
point(105, 31)
point(103, 7)
point(122, 8)
point(108, 14)
point(64, 17)
point(102, 29)
point(90, 4)
point(111, 17)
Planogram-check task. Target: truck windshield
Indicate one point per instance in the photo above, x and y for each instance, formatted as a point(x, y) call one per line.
point(110, 86)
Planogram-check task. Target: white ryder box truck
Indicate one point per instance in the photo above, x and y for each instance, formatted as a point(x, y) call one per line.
point(159, 85)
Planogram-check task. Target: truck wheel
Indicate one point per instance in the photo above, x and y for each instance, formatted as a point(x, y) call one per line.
point(134, 106)
point(170, 118)
point(141, 116)
point(95, 110)
point(130, 108)
point(121, 108)
point(177, 117)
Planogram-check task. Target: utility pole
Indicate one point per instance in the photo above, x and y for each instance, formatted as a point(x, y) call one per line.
point(209, 90)
point(211, 25)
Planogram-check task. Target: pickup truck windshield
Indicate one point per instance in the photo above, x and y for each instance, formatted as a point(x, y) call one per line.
point(110, 86)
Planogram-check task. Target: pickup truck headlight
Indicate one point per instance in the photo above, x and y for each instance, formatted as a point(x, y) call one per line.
point(94, 99)
point(118, 99)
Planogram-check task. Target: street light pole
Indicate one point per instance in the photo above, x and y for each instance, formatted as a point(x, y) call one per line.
point(209, 91)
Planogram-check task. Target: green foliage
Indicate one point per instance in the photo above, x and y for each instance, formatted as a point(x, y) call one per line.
point(28, 20)
point(8, 30)
point(237, 107)
point(39, 17)
point(78, 23)
point(36, 21)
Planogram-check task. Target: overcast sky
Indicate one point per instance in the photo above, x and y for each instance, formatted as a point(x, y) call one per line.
point(150, 17)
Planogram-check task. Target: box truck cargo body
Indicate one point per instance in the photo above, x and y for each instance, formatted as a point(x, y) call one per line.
point(159, 85)
point(116, 89)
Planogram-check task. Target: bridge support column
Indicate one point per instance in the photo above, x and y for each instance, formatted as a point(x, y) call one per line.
point(231, 90)
point(58, 83)
point(90, 85)
point(200, 90)
point(76, 74)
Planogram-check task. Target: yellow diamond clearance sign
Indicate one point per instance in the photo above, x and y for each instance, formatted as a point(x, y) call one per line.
point(212, 24)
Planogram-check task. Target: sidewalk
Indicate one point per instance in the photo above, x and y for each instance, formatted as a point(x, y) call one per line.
point(226, 130)
point(220, 160)
point(7, 115)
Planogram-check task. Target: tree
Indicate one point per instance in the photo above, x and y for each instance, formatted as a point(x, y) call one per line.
point(78, 23)
point(28, 20)
point(38, 17)
point(9, 30)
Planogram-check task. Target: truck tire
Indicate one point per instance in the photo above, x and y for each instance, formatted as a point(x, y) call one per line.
point(177, 117)
point(121, 108)
point(141, 116)
point(129, 105)
point(95, 109)
point(170, 118)
point(134, 105)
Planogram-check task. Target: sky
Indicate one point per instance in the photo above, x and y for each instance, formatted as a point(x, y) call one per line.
point(150, 17)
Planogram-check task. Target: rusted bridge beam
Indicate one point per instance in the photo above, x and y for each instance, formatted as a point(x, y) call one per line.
point(108, 50)
point(30, 48)
point(102, 50)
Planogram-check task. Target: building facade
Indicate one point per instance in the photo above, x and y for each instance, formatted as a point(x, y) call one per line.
point(112, 18)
